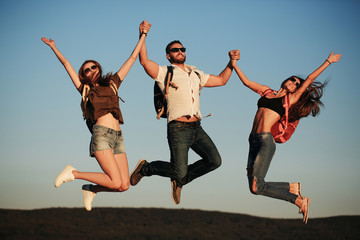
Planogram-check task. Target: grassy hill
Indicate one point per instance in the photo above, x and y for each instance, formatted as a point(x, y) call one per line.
point(154, 223)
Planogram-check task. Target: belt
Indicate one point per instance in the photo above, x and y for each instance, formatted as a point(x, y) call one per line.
point(188, 124)
point(108, 130)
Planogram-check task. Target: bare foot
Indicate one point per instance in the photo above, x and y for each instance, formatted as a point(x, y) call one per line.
point(295, 188)
point(303, 204)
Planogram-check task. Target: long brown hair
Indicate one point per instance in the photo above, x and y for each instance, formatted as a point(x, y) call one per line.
point(309, 102)
point(102, 80)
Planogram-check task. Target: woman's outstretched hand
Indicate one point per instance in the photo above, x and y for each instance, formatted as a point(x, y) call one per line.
point(334, 58)
point(50, 43)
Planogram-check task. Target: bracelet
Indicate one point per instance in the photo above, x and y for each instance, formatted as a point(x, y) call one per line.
point(143, 33)
point(328, 61)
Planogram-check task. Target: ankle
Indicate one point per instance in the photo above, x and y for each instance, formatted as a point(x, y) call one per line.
point(295, 188)
point(75, 173)
point(291, 187)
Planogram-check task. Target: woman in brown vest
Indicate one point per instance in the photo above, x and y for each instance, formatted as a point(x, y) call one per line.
point(103, 116)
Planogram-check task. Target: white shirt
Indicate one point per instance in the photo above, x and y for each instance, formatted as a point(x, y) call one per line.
point(185, 100)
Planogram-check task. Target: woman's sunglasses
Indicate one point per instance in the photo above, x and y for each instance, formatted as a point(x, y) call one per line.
point(173, 50)
point(296, 82)
point(93, 67)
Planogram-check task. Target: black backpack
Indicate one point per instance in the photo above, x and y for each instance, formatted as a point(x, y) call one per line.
point(160, 103)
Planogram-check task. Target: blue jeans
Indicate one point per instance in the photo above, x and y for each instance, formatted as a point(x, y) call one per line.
point(104, 138)
point(262, 149)
point(182, 137)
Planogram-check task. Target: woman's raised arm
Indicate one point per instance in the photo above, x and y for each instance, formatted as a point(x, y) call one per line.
point(125, 68)
point(70, 70)
point(311, 78)
point(256, 87)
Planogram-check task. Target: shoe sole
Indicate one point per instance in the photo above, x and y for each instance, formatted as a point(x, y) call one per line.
point(84, 196)
point(136, 167)
point(308, 210)
point(172, 193)
point(62, 172)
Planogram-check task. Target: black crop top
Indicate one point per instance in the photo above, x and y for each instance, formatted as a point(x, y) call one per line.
point(275, 104)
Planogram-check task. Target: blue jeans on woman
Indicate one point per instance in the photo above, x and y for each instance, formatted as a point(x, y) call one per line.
point(182, 137)
point(262, 149)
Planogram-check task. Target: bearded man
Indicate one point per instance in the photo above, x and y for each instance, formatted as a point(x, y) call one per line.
point(184, 130)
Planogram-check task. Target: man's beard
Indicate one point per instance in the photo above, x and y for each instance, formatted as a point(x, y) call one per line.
point(176, 60)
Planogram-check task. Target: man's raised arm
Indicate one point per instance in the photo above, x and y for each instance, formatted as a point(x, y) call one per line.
point(151, 67)
point(223, 77)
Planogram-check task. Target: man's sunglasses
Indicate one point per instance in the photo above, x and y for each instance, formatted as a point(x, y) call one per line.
point(93, 67)
point(175, 49)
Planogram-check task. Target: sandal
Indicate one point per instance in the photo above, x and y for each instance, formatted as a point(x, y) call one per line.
point(298, 188)
point(304, 210)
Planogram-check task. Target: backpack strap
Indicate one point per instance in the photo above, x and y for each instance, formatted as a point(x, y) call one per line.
point(279, 128)
point(85, 92)
point(168, 81)
point(114, 88)
point(286, 102)
point(269, 90)
point(198, 75)
point(85, 98)
point(286, 106)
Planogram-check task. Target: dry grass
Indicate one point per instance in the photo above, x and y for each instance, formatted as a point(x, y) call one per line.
point(152, 223)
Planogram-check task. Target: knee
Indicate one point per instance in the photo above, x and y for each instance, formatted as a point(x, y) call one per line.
point(252, 181)
point(124, 187)
point(115, 185)
point(253, 187)
point(216, 163)
point(119, 184)
point(178, 172)
point(253, 190)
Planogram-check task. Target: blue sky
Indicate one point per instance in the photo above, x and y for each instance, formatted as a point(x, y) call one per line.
point(42, 128)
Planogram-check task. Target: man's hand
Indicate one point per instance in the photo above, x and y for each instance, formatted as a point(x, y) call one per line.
point(234, 56)
point(144, 27)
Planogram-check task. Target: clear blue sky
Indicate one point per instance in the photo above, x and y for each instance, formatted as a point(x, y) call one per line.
point(41, 124)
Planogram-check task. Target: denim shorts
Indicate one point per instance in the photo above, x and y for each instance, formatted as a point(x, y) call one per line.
point(104, 138)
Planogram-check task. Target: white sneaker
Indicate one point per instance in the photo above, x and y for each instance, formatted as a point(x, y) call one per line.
point(65, 176)
point(88, 196)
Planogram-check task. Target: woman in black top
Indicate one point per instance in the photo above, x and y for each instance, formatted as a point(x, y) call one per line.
point(304, 96)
